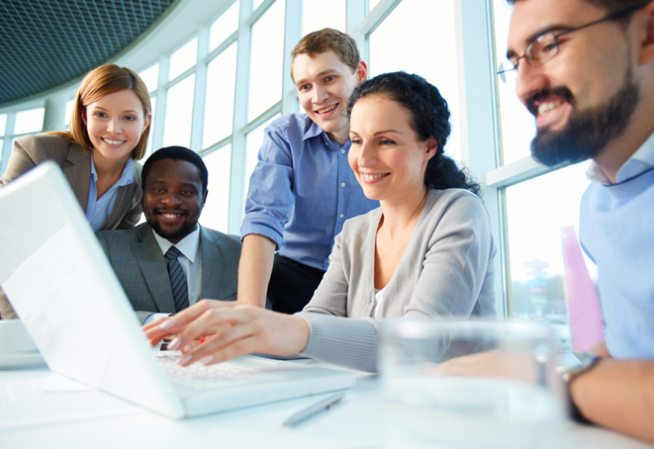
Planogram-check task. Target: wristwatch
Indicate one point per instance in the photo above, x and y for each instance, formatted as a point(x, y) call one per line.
point(569, 375)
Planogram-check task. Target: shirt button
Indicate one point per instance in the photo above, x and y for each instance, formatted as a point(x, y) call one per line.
point(326, 144)
point(342, 215)
point(343, 150)
point(342, 184)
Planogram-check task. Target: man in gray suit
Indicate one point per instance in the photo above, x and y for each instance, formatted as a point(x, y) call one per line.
point(201, 262)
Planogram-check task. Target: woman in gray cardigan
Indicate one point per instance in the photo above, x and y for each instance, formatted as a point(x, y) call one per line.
point(427, 252)
point(108, 133)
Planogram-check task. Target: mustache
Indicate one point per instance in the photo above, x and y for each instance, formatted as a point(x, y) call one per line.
point(161, 210)
point(545, 93)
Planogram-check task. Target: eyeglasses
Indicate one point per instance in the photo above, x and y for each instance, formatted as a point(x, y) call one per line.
point(546, 46)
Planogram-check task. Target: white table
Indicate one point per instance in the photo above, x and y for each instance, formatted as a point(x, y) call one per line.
point(357, 422)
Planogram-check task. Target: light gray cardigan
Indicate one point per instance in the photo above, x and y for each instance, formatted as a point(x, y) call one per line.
point(447, 270)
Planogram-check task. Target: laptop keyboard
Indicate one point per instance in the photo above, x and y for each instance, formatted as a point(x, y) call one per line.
point(200, 377)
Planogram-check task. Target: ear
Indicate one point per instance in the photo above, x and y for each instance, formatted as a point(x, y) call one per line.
point(83, 114)
point(146, 122)
point(204, 197)
point(362, 72)
point(646, 54)
point(431, 148)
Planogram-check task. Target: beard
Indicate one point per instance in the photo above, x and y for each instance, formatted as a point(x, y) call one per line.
point(588, 131)
point(176, 234)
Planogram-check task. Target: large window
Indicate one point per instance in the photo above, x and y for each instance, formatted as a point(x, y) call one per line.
point(518, 125)
point(424, 25)
point(218, 78)
point(266, 61)
point(179, 113)
point(221, 85)
point(317, 15)
point(215, 212)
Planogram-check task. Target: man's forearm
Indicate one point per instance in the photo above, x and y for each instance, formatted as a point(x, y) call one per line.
point(254, 269)
point(618, 394)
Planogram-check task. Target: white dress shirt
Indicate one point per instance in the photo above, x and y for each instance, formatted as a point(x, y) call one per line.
point(191, 261)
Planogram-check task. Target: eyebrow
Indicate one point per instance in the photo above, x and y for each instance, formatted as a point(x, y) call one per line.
point(538, 34)
point(323, 73)
point(122, 112)
point(379, 132)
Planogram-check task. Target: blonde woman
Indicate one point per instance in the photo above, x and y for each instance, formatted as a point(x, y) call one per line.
point(109, 130)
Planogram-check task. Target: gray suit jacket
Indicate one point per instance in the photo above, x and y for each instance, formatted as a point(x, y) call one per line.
point(75, 161)
point(141, 268)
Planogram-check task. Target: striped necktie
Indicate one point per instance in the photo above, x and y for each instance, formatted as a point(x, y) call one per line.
point(177, 279)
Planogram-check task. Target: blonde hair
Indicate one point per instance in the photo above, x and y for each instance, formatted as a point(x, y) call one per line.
point(99, 83)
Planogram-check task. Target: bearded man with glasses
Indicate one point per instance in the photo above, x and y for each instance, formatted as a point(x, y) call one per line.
point(585, 70)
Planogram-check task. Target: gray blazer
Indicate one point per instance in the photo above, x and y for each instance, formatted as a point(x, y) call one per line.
point(75, 161)
point(141, 268)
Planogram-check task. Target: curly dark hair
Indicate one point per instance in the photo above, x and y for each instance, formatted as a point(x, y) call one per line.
point(430, 117)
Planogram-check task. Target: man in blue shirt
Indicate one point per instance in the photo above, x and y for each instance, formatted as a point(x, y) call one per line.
point(585, 70)
point(302, 189)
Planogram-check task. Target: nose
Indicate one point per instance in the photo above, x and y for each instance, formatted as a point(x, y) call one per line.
point(171, 198)
point(114, 126)
point(319, 94)
point(530, 80)
point(367, 155)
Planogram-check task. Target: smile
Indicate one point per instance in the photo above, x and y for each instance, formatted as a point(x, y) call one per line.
point(113, 142)
point(170, 216)
point(546, 107)
point(373, 177)
point(327, 109)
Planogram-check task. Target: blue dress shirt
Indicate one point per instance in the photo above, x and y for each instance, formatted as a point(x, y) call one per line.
point(99, 209)
point(302, 190)
point(615, 230)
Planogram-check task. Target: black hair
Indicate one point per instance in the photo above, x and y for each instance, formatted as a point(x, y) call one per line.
point(176, 153)
point(430, 117)
point(611, 6)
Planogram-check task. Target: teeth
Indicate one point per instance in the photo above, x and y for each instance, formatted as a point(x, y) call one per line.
point(371, 177)
point(170, 215)
point(546, 107)
point(331, 108)
point(113, 142)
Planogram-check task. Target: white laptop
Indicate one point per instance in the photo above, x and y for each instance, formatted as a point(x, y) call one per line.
point(62, 286)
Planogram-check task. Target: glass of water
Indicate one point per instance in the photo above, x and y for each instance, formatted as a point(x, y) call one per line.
point(470, 384)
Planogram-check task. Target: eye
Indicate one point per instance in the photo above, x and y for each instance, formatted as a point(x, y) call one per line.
point(386, 142)
point(355, 141)
point(187, 192)
point(304, 87)
point(99, 115)
point(130, 118)
point(330, 78)
point(156, 190)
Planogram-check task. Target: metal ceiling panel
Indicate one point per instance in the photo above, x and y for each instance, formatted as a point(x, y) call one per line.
point(48, 43)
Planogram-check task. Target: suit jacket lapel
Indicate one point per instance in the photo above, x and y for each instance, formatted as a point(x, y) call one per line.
point(211, 267)
point(79, 173)
point(153, 267)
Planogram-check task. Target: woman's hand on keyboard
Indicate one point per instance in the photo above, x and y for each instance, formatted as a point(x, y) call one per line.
point(228, 329)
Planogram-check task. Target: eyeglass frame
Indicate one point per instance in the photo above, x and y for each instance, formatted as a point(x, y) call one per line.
point(612, 16)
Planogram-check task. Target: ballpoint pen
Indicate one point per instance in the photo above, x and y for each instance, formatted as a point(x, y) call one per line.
point(313, 409)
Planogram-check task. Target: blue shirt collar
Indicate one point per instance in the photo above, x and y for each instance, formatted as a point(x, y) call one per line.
point(127, 177)
point(313, 130)
point(639, 162)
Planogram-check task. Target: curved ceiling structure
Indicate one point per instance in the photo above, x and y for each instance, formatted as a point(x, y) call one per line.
point(48, 43)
